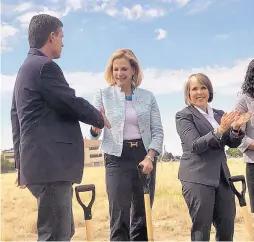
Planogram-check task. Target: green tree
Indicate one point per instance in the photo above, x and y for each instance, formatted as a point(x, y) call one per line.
point(166, 157)
point(234, 152)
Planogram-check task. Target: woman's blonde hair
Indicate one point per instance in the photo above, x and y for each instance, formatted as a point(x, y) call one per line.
point(203, 80)
point(130, 56)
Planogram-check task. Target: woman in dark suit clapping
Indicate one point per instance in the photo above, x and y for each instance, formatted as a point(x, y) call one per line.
point(203, 171)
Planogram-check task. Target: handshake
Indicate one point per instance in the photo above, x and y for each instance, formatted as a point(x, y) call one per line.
point(233, 119)
point(106, 123)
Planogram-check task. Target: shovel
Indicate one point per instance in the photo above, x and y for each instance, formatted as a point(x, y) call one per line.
point(243, 204)
point(87, 209)
point(145, 179)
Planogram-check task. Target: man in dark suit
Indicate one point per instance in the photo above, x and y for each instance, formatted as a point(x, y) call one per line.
point(48, 143)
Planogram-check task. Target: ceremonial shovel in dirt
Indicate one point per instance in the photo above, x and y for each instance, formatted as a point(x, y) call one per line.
point(242, 202)
point(87, 209)
point(145, 179)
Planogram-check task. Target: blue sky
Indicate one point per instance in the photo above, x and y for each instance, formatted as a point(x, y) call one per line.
point(171, 38)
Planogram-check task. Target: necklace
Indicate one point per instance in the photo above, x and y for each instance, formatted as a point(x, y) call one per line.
point(129, 97)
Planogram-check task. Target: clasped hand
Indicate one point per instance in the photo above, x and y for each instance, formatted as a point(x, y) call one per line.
point(106, 122)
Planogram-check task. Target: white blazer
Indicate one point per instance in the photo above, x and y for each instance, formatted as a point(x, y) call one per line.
point(112, 100)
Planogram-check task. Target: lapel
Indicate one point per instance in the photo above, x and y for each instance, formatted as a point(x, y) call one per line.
point(137, 102)
point(201, 117)
point(217, 116)
point(120, 97)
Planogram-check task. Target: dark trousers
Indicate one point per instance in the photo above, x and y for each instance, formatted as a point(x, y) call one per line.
point(126, 196)
point(250, 183)
point(209, 205)
point(55, 217)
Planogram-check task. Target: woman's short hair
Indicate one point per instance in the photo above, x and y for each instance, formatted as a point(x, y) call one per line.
point(203, 80)
point(130, 56)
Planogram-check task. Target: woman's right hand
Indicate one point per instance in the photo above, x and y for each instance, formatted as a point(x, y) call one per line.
point(97, 131)
point(226, 121)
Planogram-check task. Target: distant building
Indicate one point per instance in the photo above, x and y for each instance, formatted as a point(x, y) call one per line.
point(93, 156)
point(9, 155)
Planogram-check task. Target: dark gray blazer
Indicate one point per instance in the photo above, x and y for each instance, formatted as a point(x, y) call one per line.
point(45, 115)
point(203, 153)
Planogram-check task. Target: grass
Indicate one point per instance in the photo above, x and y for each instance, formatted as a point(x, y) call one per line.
point(170, 216)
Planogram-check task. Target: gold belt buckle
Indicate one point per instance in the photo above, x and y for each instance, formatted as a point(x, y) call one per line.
point(134, 144)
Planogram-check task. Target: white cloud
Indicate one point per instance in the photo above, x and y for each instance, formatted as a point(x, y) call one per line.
point(11, 9)
point(140, 12)
point(180, 3)
point(224, 36)
point(23, 12)
point(162, 34)
point(7, 83)
point(26, 10)
point(225, 79)
point(172, 140)
point(112, 12)
point(24, 7)
point(160, 81)
point(199, 6)
point(113, 9)
point(26, 17)
point(74, 4)
point(192, 6)
point(107, 6)
point(7, 32)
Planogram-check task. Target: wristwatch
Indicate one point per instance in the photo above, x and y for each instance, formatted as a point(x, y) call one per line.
point(150, 158)
point(236, 130)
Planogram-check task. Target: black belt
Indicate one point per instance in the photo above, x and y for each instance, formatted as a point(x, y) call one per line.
point(133, 143)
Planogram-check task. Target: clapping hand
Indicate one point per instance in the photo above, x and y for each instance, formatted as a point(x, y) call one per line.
point(226, 121)
point(240, 120)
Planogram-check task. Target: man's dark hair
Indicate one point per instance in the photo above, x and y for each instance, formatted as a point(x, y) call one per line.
point(40, 27)
point(248, 85)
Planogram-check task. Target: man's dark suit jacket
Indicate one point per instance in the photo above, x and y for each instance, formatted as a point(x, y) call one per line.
point(45, 115)
point(203, 153)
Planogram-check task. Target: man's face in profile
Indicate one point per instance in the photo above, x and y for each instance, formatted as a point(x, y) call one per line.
point(57, 43)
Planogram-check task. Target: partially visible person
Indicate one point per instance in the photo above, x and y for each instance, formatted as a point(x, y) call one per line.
point(245, 103)
point(48, 143)
point(136, 137)
point(203, 172)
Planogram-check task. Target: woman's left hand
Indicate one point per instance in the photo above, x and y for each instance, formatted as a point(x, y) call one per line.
point(147, 165)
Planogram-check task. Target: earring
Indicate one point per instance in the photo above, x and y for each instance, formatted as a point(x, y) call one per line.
point(134, 80)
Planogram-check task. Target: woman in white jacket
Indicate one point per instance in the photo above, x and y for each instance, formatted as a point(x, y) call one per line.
point(135, 137)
